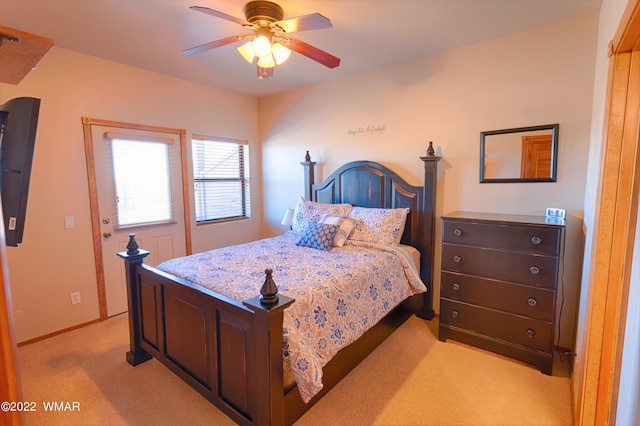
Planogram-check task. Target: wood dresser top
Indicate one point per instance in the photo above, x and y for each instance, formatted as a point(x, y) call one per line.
point(505, 218)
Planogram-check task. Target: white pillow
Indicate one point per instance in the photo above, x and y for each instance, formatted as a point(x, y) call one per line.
point(311, 212)
point(382, 226)
point(345, 226)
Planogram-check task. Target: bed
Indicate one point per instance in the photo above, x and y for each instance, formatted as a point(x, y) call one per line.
point(234, 351)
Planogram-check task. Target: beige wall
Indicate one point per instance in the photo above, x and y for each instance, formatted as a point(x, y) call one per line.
point(53, 261)
point(541, 76)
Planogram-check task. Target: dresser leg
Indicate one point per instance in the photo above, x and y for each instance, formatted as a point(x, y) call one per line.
point(442, 334)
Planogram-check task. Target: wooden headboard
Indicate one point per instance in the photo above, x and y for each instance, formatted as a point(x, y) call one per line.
point(371, 184)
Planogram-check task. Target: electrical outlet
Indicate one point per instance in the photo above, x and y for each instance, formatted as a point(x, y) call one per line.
point(75, 298)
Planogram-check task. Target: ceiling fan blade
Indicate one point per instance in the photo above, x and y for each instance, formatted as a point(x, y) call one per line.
point(219, 15)
point(212, 45)
point(314, 21)
point(314, 53)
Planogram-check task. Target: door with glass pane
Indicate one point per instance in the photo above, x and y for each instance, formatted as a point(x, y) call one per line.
point(139, 191)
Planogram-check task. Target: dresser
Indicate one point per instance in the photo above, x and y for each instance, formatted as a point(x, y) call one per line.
point(498, 285)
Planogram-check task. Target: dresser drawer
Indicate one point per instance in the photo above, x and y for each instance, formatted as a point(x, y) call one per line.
point(499, 325)
point(533, 302)
point(500, 236)
point(518, 267)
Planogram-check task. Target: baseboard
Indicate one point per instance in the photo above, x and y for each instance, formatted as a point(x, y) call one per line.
point(56, 333)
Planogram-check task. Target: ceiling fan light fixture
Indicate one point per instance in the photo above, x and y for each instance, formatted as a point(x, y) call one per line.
point(246, 50)
point(266, 62)
point(280, 53)
point(276, 55)
point(261, 46)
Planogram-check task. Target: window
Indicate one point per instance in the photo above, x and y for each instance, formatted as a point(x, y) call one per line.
point(142, 180)
point(220, 178)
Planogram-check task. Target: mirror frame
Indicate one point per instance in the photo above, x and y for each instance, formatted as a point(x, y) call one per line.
point(555, 131)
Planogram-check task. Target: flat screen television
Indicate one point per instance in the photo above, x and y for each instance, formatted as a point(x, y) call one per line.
point(18, 126)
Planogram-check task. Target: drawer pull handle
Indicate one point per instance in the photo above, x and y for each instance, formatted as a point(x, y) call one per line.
point(534, 270)
point(536, 240)
point(531, 333)
point(457, 259)
point(454, 314)
point(532, 301)
point(457, 232)
point(455, 286)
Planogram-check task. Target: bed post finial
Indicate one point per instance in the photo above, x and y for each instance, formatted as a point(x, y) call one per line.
point(132, 247)
point(269, 290)
point(430, 151)
point(309, 177)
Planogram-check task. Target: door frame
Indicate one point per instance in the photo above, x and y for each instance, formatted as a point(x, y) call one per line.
point(10, 388)
point(600, 359)
point(87, 122)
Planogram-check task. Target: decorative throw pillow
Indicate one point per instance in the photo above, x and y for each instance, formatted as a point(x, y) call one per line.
point(318, 235)
point(382, 226)
point(345, 226)
point(310, 212)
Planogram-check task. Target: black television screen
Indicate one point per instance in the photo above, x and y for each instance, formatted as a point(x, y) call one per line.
point(18, 126)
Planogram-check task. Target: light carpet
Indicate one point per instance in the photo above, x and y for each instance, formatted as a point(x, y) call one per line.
point(411, 379)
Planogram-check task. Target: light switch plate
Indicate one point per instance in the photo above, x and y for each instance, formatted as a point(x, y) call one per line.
point(69, 222)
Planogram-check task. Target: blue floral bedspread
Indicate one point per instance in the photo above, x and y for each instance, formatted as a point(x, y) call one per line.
point(339, 294)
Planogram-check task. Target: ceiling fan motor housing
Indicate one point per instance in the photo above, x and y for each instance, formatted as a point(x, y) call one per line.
point(266, 12)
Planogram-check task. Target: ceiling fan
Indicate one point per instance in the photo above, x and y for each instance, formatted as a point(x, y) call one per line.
point(269, 40)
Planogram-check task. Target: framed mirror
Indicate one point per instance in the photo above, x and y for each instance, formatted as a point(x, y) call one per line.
point(523, 154)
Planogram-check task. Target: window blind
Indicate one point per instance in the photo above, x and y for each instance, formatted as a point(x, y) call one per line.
point(221, 178)
point(142, 181)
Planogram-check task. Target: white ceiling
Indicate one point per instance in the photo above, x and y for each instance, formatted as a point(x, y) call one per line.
point(151, 34)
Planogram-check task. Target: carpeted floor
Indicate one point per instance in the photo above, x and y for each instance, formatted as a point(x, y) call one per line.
point(411, 379)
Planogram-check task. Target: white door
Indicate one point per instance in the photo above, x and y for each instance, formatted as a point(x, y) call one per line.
point(139, 191)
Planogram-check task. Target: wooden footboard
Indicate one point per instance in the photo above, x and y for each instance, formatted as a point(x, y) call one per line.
point(228, 351)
